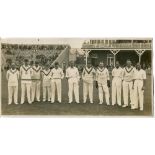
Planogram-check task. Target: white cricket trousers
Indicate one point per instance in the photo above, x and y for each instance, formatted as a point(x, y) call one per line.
point(46, 92)
point(27, 87)
point(138, 94)
point(12, 92)
point(35, 90)
point(56, 85)
point(128, 88)
point(73, 87)
point(103, 88)
point(87, 90)
point(116, 90)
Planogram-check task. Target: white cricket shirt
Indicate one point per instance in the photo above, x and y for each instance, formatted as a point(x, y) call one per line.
point(88, 74)
point(46, 77)
point(57, 73)
point(26, 73)
point(36, 72)
point(12, 77)
point(139, 74)
point(128, 74)
point(72, 72)
point(117, 73)
point(102, 75)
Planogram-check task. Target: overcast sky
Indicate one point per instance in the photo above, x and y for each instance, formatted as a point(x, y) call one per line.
point(73, 42)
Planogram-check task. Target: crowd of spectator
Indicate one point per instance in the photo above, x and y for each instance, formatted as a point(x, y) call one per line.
point(41, 53)
point(32, 47)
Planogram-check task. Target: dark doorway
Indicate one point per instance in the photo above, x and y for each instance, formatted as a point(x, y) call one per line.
point(97, 56)
point(146, 58)
point(122, 56)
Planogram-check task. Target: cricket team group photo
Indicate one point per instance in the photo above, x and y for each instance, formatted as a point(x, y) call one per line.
point(99, 77)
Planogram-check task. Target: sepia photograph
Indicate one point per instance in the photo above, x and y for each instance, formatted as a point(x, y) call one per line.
point(77, 76)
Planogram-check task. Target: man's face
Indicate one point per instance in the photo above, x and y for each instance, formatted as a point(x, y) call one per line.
point(26, 63)
point(56, 66)
point(128, 63)
point(72, 64)
point(138, 66)
point(117, 64)
point(101, 65)
point(89, 65)
point(36, 64)
point(13, 66)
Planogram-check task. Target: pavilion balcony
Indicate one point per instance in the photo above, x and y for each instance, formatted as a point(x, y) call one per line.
point(146, 46)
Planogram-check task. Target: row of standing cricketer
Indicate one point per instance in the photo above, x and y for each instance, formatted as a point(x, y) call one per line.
point(131, 79)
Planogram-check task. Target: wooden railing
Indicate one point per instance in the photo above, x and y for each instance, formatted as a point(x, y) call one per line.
point(119, 46)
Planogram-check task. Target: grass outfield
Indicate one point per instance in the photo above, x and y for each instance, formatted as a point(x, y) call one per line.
point(64, 108)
